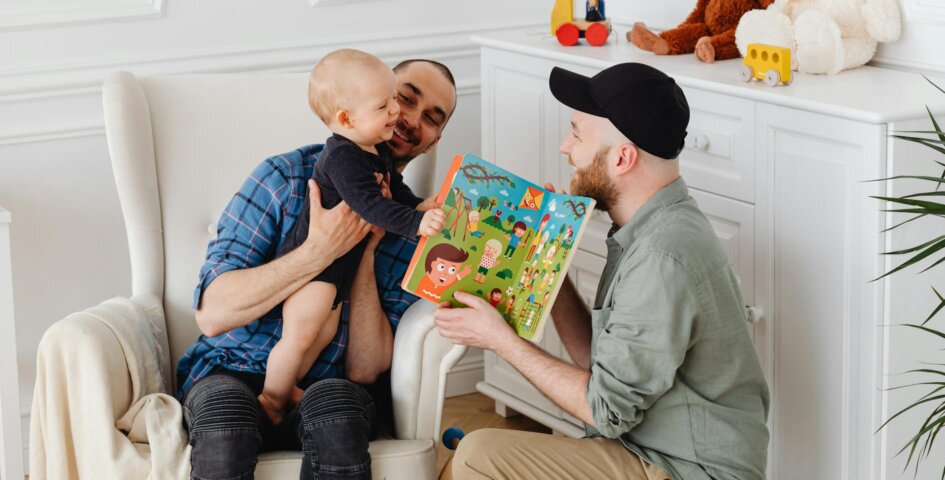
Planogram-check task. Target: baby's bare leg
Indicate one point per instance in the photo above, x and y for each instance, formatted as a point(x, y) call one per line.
point(325, 336)
point(304, 314)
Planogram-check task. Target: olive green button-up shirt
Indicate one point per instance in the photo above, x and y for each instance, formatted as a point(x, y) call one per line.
point(674, 374)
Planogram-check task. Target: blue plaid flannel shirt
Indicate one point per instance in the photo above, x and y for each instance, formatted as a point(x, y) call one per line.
point(251, 228)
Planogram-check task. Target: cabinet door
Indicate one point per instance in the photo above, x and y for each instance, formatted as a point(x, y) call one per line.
point(817, 248)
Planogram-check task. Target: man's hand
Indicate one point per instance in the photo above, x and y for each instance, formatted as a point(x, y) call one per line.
point(384, 182)
point(432, 222)
point(480, 325)
point(428, 204)
point(332, 232)
point(551, 188)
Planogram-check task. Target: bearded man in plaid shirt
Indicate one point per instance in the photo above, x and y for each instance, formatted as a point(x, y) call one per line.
point(344, 400)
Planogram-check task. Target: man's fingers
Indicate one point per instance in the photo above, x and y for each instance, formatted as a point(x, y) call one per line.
point(314, 195)
point(469, 299)
point(550, 187)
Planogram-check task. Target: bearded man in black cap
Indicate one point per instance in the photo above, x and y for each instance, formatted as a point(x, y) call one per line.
point(665, 375)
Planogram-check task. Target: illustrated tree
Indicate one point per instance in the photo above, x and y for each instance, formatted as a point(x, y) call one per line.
point(492, 203)
point(510, 219)
point(482, 202)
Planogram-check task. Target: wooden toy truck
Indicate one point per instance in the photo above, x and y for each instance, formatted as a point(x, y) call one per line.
point(594, 28)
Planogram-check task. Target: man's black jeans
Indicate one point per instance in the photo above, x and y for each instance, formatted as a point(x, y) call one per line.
point(332, 426)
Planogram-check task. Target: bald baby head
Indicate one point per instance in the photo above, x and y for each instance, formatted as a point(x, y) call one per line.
point(339, 79)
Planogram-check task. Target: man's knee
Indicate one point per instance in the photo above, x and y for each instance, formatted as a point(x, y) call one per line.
point(221, 402)
point(222, 418)
point(333, 399)
point(477, 453)
point(336, 428)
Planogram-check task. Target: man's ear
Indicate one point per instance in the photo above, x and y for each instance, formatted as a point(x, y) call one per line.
point(628, 157)
point(344, 119)
point(432, 144)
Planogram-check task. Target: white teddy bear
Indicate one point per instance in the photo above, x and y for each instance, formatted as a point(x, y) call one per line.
point(825, 36)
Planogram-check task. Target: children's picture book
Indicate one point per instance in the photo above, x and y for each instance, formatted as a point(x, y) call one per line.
point(505, 239)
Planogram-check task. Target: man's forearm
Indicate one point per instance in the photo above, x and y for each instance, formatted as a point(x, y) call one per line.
point(573, 324)
point(370, 340)
point(238, 297)
point(564, 384)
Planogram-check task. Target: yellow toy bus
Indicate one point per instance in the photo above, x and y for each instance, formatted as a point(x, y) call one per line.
point(767, 62)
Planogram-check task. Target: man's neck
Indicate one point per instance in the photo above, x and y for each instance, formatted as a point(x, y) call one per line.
point(635, 197)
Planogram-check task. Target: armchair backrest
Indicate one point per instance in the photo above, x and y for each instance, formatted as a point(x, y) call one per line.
point(181, 146)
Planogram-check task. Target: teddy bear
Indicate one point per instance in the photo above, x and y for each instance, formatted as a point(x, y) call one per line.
point(825, 36)
point(709, 31)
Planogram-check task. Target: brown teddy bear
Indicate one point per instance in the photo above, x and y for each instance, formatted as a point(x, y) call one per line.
point(709, 31)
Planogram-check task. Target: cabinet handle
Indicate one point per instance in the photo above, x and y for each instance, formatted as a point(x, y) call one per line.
point(755, 314)
point(698, 141)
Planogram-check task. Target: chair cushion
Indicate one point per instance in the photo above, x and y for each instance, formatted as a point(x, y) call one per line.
point(391, 459)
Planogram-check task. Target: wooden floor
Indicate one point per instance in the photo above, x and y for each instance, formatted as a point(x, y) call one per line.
point(472, 412)
point(468, 413)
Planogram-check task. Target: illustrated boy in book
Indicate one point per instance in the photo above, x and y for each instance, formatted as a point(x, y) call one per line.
point(517, 231)
point(541, 246)
point(509, 304)
point(537, 239)
point(490, 258)
point(495, 297)
point(473, 224)
point(525, 273)
point(354, 94)
point(442, 265)
point(550, 256)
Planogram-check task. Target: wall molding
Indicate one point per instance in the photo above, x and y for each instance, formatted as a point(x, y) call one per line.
point(25, 83)
point(23, 14)
point(463, 88)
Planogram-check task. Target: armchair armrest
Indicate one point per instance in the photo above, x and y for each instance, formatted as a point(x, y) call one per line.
point(422, 358)
point(92, 367)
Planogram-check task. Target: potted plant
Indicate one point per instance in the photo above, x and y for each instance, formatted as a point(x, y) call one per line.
point(920, 205)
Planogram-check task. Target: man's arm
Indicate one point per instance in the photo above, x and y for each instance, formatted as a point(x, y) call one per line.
point(370, 340)
point(482, 326)
point(573, 323)
point(238, 297)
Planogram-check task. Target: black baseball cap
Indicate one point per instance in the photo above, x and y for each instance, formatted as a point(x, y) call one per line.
point(643, 103)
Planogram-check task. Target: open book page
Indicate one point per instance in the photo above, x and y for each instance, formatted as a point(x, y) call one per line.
point(505, 239)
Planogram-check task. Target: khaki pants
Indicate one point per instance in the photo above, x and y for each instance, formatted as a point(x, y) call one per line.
point(500, 454)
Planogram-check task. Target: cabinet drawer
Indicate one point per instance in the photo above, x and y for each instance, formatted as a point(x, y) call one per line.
point(719, 156)
point(595, 237)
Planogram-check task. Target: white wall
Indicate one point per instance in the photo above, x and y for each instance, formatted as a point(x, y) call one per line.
point(68, 238)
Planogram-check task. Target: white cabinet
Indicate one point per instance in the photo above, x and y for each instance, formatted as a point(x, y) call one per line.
point(780, 173)
point(11, 445)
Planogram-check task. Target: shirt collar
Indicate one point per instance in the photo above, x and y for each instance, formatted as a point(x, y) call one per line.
point(671, 194)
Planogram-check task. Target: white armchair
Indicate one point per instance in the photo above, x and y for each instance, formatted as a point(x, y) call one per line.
point(180, 148)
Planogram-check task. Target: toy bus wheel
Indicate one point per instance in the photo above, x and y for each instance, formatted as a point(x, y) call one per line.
point(568, 34)
point(788, 81)
point(772, 78)
point(746, 73)
point(596, 34)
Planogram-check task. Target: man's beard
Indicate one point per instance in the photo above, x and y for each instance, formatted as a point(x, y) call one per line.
point(401, 161)
point(592, 181)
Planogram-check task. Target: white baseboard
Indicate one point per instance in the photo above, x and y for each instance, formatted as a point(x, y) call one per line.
point(462, 379)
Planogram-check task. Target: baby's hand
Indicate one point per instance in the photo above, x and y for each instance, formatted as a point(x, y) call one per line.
point(428, 204)
point(432, 222)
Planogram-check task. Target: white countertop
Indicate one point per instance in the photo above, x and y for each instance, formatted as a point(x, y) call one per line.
point(868, 94)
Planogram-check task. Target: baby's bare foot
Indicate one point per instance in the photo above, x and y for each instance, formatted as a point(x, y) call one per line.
point(272, 409)
point(705, 51)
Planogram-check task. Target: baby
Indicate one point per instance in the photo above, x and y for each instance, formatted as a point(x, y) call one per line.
point(354, 94)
